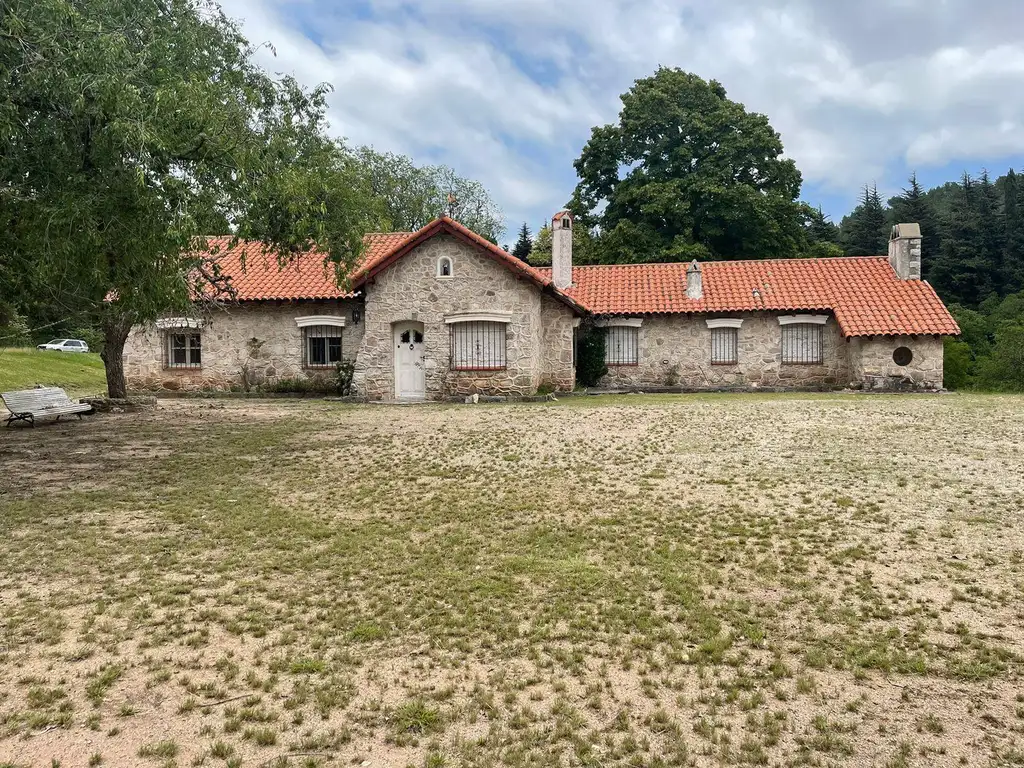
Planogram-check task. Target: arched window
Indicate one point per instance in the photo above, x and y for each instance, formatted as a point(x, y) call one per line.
point(445, 268)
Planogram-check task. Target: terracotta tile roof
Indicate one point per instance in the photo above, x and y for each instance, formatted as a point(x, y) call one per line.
point(864, 293)
point(304, 278)
point(379, 260)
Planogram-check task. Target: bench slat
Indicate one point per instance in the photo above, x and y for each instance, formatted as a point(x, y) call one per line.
point(45, 401)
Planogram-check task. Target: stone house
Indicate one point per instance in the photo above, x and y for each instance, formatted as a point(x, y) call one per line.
point(442, 312)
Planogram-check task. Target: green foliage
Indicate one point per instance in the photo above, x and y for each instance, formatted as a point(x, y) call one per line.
point(989, 354)
point(524, 244)
point(821, 234)
point(407, 197)
point(14, 331)
point(590, 351)
point(416, 716)
point(314, 385)
point(586, 247)
point(958, 364)
point(963, 272)
point(344, 372)
point(1003, 369)
point(865, 232)
point(130, 129)
point(1013, 218)
point(704, 178)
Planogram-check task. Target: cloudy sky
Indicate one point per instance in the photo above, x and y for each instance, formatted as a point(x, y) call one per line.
point(507, 91)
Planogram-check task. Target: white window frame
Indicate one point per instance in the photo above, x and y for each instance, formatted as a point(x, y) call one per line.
point(718, 327)
point(170, 323)
point(321, 327)
point(478, 317)
point(451, 267)
point(725, 322)
point(811, 331)
point(803, 319)
point(486, 352)
point(627, 328)
point(190, 348)
point(311, 333)
point(308, 320)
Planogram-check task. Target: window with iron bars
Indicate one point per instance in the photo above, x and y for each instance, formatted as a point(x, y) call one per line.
point(622, 345)
point(802, 344)
point(724, 346)
point(478, 346)
point(184, 350)
point(321, 346)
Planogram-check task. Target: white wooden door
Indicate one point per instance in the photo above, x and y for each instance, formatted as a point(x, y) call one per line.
point(410, 375)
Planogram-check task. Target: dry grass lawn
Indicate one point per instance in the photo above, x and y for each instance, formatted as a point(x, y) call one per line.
point(708, 581)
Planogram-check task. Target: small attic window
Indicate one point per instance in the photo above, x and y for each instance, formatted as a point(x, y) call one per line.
point(444, 267)
point(566, 222)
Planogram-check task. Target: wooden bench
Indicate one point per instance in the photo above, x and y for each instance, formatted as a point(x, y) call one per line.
point(31, 404)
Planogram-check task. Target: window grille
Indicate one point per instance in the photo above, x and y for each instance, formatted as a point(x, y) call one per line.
point(802, 344)
point(184, 350)
point(724, 346)
point(621, 345)
point(478, 346)
point(321, 345)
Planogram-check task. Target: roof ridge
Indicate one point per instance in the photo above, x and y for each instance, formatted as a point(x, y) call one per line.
point(816, 259)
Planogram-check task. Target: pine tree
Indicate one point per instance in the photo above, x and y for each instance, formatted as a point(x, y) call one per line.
point(1013, 249)
point(913, 207)
point(961, 274)
point(822, 235)
point(991, 237)
point(865, 232)
point(524, 244)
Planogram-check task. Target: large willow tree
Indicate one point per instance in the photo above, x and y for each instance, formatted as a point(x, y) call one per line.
point(129, 129)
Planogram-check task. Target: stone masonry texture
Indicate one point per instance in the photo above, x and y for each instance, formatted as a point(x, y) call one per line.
point(410, 290)
point(675, 351)
point(246, 346)
point(259, 343)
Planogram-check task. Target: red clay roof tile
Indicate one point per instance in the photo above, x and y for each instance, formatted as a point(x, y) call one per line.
point(256, 275)
point(864, 293)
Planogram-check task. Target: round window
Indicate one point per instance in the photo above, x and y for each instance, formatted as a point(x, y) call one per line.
point(902, 356)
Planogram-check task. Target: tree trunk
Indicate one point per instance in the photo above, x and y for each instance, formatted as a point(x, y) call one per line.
point(115, 334)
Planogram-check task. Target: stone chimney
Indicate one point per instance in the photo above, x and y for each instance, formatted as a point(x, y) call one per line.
point(561, 249)
point(694, 281)
point(905, 251)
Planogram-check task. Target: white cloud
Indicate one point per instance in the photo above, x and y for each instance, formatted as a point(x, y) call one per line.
point(506, 92)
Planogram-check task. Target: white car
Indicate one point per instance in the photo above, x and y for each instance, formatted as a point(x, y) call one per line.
point(65, 345)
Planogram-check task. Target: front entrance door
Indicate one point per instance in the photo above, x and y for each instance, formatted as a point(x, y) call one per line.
point(410, 375)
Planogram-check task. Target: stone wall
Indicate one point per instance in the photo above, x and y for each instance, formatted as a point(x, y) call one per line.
point(874, 368)
point(229, 348)
point(675, 350)
point(410, 290)
point(557, 366)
